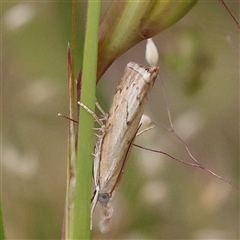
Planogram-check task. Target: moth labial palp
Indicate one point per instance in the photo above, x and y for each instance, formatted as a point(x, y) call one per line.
point(118, 134)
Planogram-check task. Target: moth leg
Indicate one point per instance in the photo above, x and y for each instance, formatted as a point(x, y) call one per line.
point(104, 114)
point(98, 120)
point(145, 130)
point(145, 120)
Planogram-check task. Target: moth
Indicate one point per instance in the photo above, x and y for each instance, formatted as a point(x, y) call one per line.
point(118, 134)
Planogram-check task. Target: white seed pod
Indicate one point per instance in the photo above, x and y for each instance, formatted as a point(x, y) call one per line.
point(151, 54)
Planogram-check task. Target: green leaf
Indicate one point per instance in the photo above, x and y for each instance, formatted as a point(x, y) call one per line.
point(134, 22)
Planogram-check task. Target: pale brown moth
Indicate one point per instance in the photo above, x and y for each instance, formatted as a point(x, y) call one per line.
point(118, 134)
point(120, 130)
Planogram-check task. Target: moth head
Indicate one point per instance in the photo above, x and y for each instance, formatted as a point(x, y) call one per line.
point(103, 197)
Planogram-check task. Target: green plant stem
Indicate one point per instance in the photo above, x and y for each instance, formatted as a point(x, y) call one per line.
point(2, 233)
point(81, 218)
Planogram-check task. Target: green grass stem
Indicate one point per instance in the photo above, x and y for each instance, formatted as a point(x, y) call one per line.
point(81, 218)
point(2, 233)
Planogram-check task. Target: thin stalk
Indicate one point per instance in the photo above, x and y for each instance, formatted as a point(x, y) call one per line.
point(81, 215)
point(2, 233)
point(71, 162)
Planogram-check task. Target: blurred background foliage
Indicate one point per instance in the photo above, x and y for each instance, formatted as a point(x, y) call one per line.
point(157, 198)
